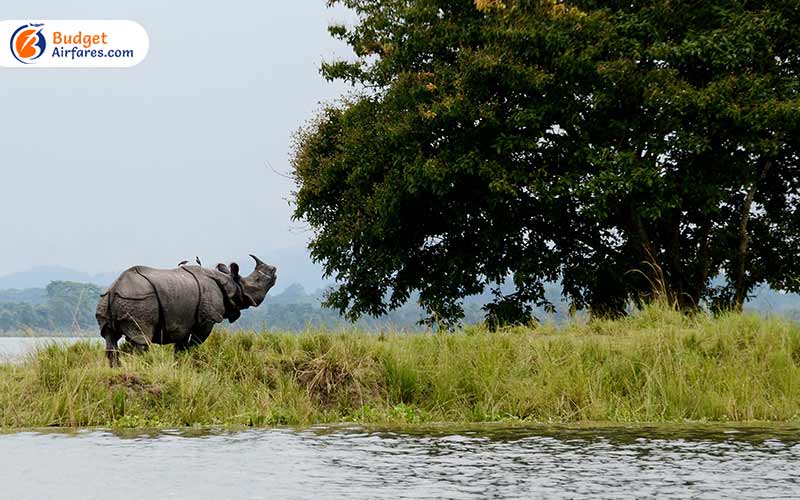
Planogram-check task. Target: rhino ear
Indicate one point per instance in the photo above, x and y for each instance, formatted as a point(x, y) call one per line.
point(223, 268)
point(235, 271)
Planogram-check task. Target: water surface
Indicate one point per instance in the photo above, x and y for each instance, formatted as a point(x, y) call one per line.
point(13, 349)
point(358, 463)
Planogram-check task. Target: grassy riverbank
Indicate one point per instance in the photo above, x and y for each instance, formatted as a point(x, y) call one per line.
point(657, 366)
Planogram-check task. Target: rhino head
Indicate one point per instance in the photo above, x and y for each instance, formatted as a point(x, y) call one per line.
point(256, 285)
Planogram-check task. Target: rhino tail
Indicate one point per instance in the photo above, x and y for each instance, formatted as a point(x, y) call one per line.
point(105, 311)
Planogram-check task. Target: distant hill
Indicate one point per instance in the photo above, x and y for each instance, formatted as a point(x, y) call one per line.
point(27, 296)
point(295, 267)
point(767, 301)
point(41, 276)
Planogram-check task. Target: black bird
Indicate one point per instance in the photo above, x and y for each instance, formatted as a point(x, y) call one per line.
point(183, 263)
point(197, 259)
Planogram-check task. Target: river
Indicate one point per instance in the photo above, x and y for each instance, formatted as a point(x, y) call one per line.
point(14, 348)
point(335, 462)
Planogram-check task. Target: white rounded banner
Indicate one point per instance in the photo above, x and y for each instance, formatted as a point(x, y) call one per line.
point(72, 44)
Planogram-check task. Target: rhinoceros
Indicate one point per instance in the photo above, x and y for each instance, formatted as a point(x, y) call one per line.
point(177, 306)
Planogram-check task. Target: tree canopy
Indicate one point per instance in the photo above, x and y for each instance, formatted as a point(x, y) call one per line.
point(619, 147)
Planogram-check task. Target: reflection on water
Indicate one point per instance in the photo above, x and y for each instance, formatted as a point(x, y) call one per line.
point(356, 463)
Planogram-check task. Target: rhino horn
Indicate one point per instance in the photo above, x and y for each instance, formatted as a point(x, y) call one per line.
point(258, 261)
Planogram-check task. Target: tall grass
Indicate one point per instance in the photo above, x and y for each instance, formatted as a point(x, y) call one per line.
point(656, 366)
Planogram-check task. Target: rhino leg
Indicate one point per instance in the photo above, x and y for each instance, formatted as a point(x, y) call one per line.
point(198, 336)
point(112, 337)
point(139, 335)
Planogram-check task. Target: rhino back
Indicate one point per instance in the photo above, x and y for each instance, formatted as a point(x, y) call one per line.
point(129, 297)
point(181, 298)
point(178, 295)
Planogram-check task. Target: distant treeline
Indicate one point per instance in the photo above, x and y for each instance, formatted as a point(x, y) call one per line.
point(67, 306)
point(294, 309)
point(62, 306)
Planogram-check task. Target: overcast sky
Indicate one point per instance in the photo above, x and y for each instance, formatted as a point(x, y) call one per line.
point(106, 168)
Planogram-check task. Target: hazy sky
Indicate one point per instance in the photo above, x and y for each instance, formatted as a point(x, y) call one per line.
point(106, 168)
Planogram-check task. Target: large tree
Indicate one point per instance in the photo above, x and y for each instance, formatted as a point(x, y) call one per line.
point(621, 147)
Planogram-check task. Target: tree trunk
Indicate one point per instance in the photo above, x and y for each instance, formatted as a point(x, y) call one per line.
point(656, 275)
point(676, 282)
point(744, 239)
point(703, 261)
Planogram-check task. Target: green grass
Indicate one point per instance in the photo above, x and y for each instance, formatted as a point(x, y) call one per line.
point(656, 366)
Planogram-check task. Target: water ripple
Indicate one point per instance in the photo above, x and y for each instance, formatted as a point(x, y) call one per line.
point(358, 463)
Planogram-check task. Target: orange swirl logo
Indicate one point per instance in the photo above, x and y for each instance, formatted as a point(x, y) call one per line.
point(28, 43)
